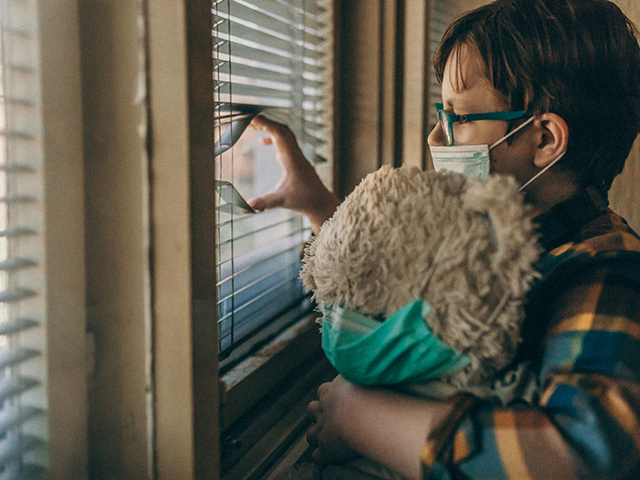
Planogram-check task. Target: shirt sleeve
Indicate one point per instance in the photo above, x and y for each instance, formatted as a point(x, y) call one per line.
point(587, 422)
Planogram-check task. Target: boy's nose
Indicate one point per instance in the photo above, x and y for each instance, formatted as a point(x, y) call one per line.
point(435, 137)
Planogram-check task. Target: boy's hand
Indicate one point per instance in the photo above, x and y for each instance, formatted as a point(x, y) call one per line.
point(380, 424)
point(325, 435)
point(300, 188)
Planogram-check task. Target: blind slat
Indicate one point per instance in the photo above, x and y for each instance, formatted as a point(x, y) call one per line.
point(16, 168)
point(13, 386)
point(261, 234)
point(17, 232)
point(15, 356)
point(313, 17)
point(10, 450)
point(276, 28)
point(262, 278)
point(259, 297)
point(278, 53)
point(15, 294)
point(259, 228)
point(13, 264)
point(18, 199)
point(263, 72)
point(242, 249)
point(261, 59)
point(265, 259)
point(256, 38)
point(14, 417)
point(9, 328)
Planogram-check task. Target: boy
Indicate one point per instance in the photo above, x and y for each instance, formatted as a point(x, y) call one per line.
point(573, 67)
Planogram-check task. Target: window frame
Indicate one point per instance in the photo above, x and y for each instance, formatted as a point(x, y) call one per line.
point(67, 360)
point(185, 372)
point(63, 328)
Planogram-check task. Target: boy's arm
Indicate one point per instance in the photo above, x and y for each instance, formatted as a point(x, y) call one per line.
point(588, 420)
point(587, 423)
point(380, 424)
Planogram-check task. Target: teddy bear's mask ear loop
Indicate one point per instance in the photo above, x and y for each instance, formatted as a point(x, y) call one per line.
point(401, 349)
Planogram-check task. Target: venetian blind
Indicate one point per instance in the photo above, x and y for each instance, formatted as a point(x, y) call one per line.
point(270, 56)
point(22, 374)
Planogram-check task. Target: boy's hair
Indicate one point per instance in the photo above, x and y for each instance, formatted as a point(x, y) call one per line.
point(577, 58)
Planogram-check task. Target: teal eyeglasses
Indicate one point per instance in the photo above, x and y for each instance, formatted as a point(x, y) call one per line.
point(447, 119)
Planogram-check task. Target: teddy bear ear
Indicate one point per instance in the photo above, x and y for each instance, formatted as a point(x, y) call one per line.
point(307, 272)
point(498, 198)
point(495, 194)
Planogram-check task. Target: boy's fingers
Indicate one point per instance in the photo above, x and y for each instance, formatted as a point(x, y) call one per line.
point(265, 202)
point(281, 137)
point(273, 128)
point(314, 409)
point(312, 436)
point(319, 457)
point(324, 456)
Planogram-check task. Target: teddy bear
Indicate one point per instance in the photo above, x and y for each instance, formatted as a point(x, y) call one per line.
point(464, 247)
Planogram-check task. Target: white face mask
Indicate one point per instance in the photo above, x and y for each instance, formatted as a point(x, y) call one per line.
point(470, 160)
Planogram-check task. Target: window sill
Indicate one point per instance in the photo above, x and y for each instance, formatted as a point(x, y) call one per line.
point(264, 398)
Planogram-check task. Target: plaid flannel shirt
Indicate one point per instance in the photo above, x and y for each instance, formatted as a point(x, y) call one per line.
point(583, 333)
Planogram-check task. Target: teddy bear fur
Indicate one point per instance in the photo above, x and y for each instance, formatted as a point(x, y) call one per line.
point(465, 245)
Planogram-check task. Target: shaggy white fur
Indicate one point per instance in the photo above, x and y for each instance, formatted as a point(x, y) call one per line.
point(465, 245)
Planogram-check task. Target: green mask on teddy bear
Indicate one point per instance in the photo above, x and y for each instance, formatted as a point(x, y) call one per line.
point(368, 352)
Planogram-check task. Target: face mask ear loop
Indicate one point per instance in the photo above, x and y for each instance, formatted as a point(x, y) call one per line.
point(541, 172)
point(513, 132)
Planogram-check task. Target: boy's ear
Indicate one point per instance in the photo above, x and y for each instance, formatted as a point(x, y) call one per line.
point(553, 137)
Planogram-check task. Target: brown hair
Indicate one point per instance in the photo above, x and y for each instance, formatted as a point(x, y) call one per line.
point(577, 58)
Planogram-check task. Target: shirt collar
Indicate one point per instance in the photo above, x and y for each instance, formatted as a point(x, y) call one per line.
point(561, 222)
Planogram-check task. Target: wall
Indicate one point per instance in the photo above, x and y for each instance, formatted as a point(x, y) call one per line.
point(625, 194)
point(117, 226)
point(64, 219)
point(359, 87)
point(184, 307)
point(382, 65)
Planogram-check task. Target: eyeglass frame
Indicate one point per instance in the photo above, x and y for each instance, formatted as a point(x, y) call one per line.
point(451, 118)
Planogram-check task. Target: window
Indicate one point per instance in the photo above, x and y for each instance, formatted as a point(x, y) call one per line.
point(22, 310)
point(270, 56)
point(442, 14)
